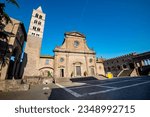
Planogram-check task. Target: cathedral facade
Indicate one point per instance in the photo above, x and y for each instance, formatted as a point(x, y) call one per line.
point(72, 59)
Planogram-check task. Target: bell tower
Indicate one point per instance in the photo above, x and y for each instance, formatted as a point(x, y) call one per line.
point(37, 22)
point(34, 41)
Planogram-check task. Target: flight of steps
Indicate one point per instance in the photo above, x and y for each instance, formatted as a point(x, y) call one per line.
point(80, 79)
point(60, 80)
point(101, 77)
point(125, 72)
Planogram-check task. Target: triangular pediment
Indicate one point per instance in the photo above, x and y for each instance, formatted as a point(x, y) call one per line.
point(76, 34)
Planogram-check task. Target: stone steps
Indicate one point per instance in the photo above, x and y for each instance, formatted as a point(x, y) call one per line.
point(101, 77)
point(125, 72)
point(60, 80)
point(80, 79)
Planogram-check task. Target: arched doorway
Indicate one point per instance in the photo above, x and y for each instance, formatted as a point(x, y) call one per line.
point(61, 72)
point(78, 70)
point(92, 71)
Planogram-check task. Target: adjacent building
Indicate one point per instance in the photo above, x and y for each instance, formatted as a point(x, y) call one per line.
point(128, 65)
point(11, 50)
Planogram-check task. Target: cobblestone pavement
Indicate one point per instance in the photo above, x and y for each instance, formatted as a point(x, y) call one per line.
point(38, 92)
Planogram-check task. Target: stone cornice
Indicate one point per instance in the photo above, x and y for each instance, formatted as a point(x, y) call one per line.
point(74, 52)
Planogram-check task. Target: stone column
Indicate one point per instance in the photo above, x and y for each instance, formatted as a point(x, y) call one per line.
point(147, 62)
point(87, 66)
point(16, 74)
point(136, 68)
point(138, 64)
point(67, 65)
point(95, 66)
point(142, 63)
point(74, 70)
point(55, 66)
point(4, 69)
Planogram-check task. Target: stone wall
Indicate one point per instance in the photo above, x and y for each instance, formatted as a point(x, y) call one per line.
point(13, 85)
point(34, 80)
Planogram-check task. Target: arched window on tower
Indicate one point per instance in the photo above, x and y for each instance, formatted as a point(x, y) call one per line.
point(39, 23)
point(37, 35)
point(33, 33)
point(36, 15)
point(38, 29)
point(40, 17)
point(34, 28)
point(35, 21)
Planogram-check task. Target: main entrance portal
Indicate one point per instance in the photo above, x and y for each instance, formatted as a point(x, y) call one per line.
point(61, 72)
point(78, 70)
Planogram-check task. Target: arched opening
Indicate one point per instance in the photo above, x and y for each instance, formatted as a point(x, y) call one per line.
point(61, 72)
point(36, 15)
point(118, 67)
point(124, 66)
point(78, 70)
point(14, 64)
point(109, 69)
point(46, 72)
point(131, 65)
point(92, 71)
point(35, 21)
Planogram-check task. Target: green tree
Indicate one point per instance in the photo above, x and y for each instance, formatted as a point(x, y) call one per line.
point(49, 74)
point(4, 17)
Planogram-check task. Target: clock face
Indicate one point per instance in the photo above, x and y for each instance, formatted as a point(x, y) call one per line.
point(76, 43)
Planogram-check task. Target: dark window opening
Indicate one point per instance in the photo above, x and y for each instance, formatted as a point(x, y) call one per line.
point(38, 29)
point(40, 17)
point(35, 21)
point(39, 23)
point(36, 15)
point(124, 66)
point(61, 72)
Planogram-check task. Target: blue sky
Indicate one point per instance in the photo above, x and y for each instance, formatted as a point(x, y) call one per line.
point(112, 27)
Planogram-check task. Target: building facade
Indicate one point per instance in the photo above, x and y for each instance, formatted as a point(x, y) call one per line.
point(128, 65)
point(34, 40)
point(72, 59)
point(10, 66)
point(117, 64)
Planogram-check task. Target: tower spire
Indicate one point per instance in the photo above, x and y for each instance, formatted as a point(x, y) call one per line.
point(37, 22)
point(39, 9)
point(33, 45)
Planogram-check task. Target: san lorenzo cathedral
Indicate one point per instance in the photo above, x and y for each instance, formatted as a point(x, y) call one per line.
point(72, 59)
